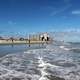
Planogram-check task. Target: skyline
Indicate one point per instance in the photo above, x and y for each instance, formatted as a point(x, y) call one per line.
point(28, 16)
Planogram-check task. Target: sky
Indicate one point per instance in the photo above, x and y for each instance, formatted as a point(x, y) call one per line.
point(29, 16)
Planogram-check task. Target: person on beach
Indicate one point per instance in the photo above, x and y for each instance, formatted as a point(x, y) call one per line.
point(42, 37)
point(45, 36)
point(12, 39)
point(29, 42)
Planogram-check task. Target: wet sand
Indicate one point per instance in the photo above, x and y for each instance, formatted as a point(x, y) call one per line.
point(2, 42)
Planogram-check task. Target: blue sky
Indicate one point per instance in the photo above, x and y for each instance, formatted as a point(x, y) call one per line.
point(27, 16)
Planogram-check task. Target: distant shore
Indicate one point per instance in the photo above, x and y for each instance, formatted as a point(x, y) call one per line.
point(3, 42)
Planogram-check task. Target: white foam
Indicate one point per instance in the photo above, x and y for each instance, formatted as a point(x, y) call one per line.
point(43, 64)
point(63, 47)
point(42, 69)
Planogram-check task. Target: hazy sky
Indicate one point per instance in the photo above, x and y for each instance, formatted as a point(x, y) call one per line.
point(38, 15)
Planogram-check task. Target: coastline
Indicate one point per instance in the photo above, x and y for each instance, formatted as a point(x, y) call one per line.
point(5, 42)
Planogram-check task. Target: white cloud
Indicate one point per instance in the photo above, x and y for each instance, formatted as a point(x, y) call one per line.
point(11, 22)
point(60, 10)
point(77, 12)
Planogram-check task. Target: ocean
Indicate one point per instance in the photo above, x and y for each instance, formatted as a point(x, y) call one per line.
point(56, 61)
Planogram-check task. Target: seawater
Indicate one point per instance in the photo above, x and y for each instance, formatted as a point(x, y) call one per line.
point(57, 61)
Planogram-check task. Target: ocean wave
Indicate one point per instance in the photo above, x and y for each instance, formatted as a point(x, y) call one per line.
point(50, 63)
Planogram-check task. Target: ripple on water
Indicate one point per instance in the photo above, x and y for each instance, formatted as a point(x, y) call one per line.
point(37, 64)
point(51, 77)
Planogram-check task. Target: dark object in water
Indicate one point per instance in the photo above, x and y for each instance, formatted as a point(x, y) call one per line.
point(51, 77)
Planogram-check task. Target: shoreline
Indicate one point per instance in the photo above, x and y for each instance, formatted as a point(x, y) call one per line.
point(5, 42)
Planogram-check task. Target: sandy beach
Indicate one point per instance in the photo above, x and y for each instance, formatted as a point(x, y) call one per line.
point(22, 42)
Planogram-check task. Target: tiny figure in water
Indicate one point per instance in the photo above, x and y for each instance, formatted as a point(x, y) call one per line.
point(29, 42)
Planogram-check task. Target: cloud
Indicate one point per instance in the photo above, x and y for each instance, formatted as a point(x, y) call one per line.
point(60, 10)
point(77, 12)
point(11, 22)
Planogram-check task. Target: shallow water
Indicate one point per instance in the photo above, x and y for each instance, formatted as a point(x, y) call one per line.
point(15, 48)
point(53, 62)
